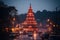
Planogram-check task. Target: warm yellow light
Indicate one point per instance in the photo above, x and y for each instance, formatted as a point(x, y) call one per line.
point(17, 29)
point(34, 35)
point(13, 30)
point(53, 25)
point(17, 25)
point(49, 29)
point(21, 32)
point(48, 20)
point(14, 19)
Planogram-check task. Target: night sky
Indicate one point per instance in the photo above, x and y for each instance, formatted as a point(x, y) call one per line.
point(23, 5)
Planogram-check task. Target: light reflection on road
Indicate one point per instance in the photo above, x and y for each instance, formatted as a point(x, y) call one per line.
point(35, 35)
point(26, 37)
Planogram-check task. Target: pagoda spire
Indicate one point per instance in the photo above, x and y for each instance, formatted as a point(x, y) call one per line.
point(30, 18)
point(30, 6)
point(30, 9)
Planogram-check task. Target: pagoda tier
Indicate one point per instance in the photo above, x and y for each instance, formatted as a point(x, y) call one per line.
point(30, 19)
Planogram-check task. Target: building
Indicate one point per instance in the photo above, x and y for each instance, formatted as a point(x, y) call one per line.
point(30, 22)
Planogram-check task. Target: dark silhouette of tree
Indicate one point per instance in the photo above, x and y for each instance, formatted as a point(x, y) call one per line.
point(5, 17)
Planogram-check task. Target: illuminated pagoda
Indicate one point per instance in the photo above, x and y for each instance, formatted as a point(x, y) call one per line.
point(30, 21)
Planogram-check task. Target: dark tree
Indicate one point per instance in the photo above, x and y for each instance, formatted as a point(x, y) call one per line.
point(5, 20)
